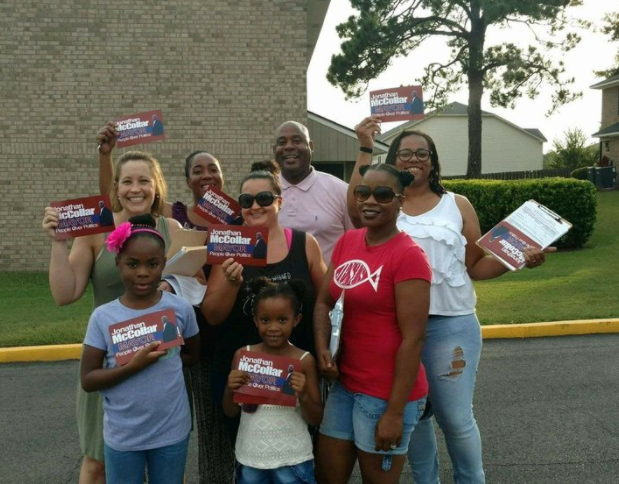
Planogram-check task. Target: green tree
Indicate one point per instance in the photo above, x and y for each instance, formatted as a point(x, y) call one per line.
point(572, 151)
point(384, 29)
point(611, 28)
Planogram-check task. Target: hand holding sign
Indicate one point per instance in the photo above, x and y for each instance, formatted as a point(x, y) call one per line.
point(106, 137)
point(367, 130)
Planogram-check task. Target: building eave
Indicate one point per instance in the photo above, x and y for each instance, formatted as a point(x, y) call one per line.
point(378, 145)
point(608, 131)
point(316, 13)
point(612, 81)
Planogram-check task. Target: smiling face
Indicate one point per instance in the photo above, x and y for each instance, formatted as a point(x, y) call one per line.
point(141, 263)
point(421, 169)
point(203, 172)
point(136, 187)
point(379, 215)
point(257, 216)
point(275, 319)
point(293, 152)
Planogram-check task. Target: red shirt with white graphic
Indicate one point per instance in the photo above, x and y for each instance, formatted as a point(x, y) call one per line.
point(370, 333)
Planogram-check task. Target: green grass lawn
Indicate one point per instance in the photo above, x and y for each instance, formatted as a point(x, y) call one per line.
point(571, 285)
point(579, 284)
point(30, 316)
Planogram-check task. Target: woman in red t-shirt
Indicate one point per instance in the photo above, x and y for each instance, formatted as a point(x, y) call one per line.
point(381, 387)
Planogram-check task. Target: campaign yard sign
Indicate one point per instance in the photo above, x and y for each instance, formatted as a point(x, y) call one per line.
point(84, 216)
point(140, 128)
point(398, 103)
point(270, 379)
point(246, 245)
point(130, 336)
point(217, 207)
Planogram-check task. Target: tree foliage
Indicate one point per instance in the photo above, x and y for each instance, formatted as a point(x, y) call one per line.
point(384, 29)
point(572, 151)
point(611, 28)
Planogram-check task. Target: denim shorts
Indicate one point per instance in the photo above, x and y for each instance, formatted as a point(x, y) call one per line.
point(302, 473)
point(353, 416)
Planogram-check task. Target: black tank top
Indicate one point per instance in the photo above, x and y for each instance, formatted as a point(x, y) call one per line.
point(239, 330)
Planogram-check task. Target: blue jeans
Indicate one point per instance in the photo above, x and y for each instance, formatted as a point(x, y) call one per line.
point(451, 354)
point(166, 465)
point(302, 473)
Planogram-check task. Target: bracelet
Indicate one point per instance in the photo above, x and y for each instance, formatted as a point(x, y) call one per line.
point(363, 149)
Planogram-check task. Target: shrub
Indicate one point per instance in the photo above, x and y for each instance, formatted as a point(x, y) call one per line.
point(574, 200)
point(580, 173)
point(572, 151)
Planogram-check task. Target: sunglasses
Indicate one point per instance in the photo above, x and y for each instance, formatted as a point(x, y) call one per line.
point(420, 154)
point(264, 199)
point(382, 194)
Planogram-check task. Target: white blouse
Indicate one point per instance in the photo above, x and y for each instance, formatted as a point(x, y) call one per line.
point(439, 233)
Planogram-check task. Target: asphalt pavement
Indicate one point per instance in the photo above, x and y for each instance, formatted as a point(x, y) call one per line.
point(547, 409)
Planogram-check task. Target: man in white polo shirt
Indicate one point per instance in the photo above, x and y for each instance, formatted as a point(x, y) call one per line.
point(313, 201)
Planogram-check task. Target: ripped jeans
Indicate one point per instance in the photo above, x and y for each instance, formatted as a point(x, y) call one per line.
point(451, 354)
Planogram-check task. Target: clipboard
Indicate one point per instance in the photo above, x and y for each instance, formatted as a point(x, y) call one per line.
point(530, 225)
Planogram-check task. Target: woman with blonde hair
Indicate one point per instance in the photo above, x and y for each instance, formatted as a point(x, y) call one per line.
point(201, 170)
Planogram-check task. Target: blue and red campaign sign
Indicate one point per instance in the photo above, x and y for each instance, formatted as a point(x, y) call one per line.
point(398, 103)
point(140, 128)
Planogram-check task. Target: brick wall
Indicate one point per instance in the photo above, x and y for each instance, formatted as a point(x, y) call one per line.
point(225, 75)
point(610, 106)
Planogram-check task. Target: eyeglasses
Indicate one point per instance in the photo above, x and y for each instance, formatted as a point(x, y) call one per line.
point(382, 194)
point(264, 199)
point(420, 154)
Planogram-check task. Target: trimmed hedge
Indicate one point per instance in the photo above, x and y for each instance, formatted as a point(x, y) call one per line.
point(574, 200)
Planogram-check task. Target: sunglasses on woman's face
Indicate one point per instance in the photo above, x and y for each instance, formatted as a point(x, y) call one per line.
point(264, 199)
point(382, 194)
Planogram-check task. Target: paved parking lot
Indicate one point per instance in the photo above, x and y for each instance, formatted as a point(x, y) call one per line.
point(547, 410)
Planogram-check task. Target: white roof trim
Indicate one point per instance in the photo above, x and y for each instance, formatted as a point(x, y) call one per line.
point(607, 135)
point(605, 84)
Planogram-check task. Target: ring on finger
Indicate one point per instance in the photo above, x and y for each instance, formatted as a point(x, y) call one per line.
point(393, 446)
point(233, 279)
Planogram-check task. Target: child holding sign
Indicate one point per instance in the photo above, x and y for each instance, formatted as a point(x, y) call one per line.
point(273, 441)
point(147, 418)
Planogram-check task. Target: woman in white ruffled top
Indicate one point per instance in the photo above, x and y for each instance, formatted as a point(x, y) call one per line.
point(446, 227)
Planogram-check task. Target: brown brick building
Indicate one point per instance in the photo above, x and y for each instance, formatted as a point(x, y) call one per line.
point(225, 75)
point(609, 126)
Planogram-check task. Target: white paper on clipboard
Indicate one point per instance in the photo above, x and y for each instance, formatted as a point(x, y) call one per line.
point(530, 225)
point(336, 315)
point(539, 222)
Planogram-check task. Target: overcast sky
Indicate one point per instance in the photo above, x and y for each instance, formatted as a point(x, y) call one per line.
point(595, 52)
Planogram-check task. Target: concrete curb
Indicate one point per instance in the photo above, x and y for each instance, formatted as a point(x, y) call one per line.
point(40, 353)
point(499, 331)
point(556, 328)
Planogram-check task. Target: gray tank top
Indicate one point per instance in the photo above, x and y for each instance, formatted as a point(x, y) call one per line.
point(105, 278)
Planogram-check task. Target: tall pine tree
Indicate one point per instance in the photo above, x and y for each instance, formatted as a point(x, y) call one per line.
point(384, 29)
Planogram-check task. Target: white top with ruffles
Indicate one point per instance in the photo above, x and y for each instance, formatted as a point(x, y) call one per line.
point(273, 436)
point(439, 233)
